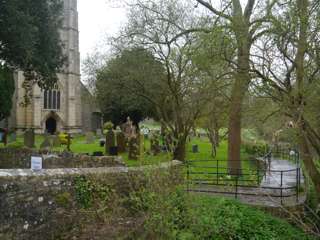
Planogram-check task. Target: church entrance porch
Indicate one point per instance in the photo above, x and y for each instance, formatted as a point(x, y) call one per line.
point(51, 125)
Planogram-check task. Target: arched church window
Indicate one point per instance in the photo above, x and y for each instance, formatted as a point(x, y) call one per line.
point(52, 99)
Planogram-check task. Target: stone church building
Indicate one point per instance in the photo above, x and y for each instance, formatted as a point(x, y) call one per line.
point(68, 107)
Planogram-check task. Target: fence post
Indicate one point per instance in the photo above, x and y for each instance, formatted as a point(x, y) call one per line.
point(217, 171)
point(281, 190)
point(236, 187)
point(297, 185)
point(258, 175)
point(188, 176)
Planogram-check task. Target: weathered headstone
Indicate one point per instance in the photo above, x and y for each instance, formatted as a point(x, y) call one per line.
point(134, 147)
point(29, 138)
point(90, 138)
point(195, 148)
point(121, 142)
point(102, 142)
point(99, 132)
point(155, 144)
point(46, 144)
point(110, 141)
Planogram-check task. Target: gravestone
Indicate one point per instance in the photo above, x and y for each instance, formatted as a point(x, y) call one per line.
point(90, 138)
point(56, 141)
point(29, 138)
point(121, 142)
point(3, 136)
point(99, 132)
point(110, 141)
point(155, 144)
point(102, 142)
point(46, 144)
point(134, 147)
point(195, 148)
point(128, 128)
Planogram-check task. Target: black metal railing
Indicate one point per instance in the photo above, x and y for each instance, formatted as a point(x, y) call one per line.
point(215, 176)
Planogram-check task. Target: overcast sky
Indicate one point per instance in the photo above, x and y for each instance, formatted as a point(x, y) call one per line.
point(97, 20)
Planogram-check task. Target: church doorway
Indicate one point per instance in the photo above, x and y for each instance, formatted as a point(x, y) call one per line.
point(51, 125)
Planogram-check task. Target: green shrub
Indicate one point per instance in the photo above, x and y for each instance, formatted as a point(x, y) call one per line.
point(90, 192)
point(218, 218)
point(178, 216)
point(255, 149)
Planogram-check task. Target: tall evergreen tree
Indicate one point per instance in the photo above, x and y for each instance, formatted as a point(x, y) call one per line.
point(30, 41)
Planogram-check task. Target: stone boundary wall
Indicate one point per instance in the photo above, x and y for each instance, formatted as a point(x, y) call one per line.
point(42, 204)
point(21, 159)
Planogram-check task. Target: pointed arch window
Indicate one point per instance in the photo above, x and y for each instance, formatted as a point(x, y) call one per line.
point(52, 99)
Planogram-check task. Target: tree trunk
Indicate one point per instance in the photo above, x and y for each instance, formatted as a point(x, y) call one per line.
point(240, 26)
point(179, 152)
point(239, 90)
point(307, 159)
point(217, 137)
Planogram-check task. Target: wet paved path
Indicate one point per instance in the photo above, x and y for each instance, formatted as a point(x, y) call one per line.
point(285, 170)
point(280, 179)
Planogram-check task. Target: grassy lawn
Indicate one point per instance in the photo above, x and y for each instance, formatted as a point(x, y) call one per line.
point(208, 169)
point(79, 145)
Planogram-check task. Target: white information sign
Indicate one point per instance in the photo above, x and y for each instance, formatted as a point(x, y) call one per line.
point(36, 163)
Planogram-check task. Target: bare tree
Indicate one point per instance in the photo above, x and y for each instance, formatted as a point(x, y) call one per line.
point(180, 97)
point(246, 25)
point(289, 67)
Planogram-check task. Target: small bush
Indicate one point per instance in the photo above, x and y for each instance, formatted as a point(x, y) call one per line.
point(255, 149)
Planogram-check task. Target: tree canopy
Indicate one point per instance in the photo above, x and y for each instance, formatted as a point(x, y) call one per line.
point(122, 82)
point(6, 91)
point(30, 40)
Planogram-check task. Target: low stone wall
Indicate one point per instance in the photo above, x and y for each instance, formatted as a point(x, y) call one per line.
point(21, 159)
point(43, 204)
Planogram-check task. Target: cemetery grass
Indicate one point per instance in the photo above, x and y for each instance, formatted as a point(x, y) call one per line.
point(79, 145)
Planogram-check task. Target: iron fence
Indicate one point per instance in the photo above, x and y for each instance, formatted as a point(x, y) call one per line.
point(215, 176)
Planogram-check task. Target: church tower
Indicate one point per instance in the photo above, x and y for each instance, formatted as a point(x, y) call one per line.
point(58, 109)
